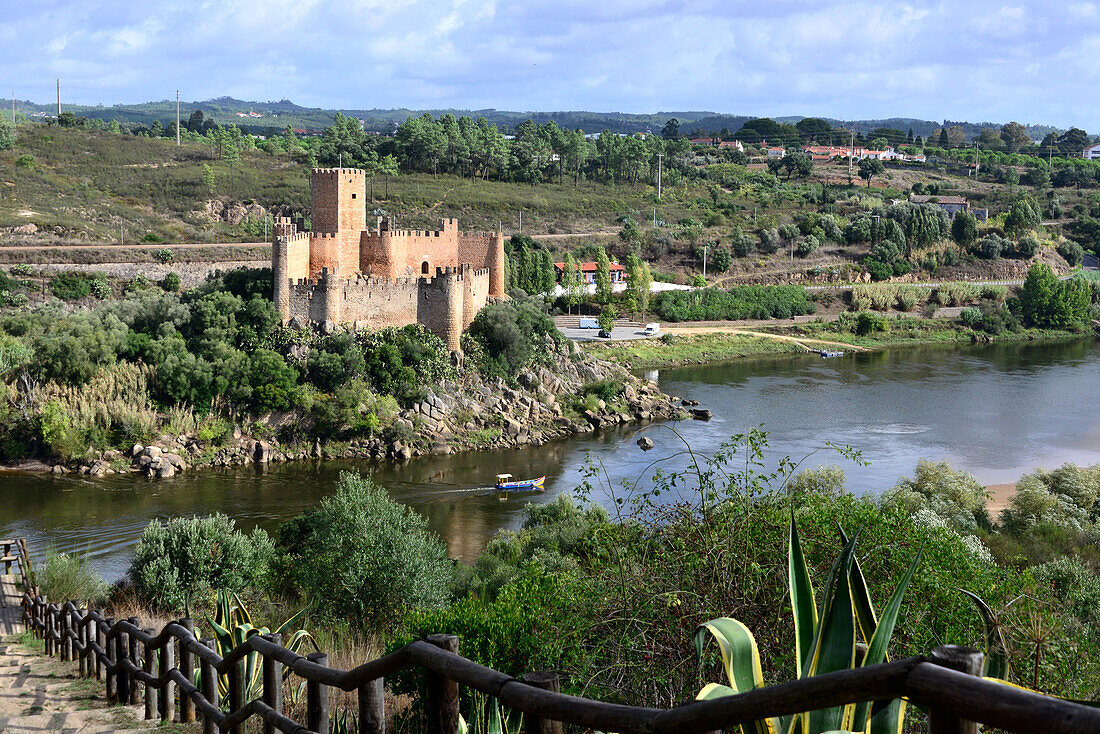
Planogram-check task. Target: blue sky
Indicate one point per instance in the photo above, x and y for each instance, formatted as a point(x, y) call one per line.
point(1034, 62)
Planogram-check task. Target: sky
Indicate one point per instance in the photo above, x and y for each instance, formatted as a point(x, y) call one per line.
point(1034, 62)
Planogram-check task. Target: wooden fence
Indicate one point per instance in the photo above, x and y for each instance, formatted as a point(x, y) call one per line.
point(160, 667)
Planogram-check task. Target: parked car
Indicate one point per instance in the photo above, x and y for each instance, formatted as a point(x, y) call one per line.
point(604, 334)
point(588, 323)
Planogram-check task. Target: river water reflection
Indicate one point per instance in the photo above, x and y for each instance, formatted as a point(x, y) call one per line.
point(997, 411)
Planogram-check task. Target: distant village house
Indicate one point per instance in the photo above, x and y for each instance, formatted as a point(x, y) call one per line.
point(588, 272)
point(950, 204)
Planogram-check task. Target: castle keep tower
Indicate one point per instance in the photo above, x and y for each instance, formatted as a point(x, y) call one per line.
point(344, 272)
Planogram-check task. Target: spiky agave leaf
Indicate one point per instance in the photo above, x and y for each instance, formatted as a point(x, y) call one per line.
point(996, 652)
point(741, 661)
point(803, 605)
point(886, 717)
point(861, 596)
point(834, 645)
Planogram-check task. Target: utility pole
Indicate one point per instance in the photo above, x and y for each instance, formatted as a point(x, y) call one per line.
point(704, 261)
point(654, 217)
point(178, 141)
point(851, 152)
point(520, 220)
point(59, 98)
point(13, 106)
point(659, 157)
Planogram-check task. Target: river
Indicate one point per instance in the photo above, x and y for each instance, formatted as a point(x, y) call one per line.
point(997, 411)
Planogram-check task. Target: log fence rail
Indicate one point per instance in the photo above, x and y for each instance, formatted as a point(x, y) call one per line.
point(159, 668)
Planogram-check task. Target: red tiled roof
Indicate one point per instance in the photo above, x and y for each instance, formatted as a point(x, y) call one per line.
point(589, 267)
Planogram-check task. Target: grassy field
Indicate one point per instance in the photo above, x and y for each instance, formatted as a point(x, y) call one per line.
point(673, 351)
point(676, 350)
point(85, 185)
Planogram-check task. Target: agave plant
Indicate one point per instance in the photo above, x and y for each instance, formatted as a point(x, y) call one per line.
point(232, 625)
point(825, 642)
point(487, 718)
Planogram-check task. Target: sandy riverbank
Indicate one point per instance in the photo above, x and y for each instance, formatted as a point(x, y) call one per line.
point(999, 496)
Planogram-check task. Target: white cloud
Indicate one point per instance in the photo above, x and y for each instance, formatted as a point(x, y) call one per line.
point(980, 60)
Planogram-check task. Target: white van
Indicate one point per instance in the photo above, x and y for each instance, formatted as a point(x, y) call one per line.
point(588, 323)
point(652, 329)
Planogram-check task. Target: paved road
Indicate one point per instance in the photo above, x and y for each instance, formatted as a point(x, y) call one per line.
point(618, 334)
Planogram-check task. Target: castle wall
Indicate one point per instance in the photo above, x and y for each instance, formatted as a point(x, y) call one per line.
point(342, 272)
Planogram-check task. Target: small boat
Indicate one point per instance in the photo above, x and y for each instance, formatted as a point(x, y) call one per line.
point(826, 354)
point(506, 484)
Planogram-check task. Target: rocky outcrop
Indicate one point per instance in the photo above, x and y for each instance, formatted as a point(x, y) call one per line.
point(544, 403)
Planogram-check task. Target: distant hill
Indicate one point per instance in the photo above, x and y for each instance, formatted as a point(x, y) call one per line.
point(266, 117)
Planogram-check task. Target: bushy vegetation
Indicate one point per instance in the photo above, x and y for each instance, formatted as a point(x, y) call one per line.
point(71, 577)
point(742, 302)
point(563, 591)
point(506, 337)
point(192, 557)
point(364, 558)
point(96, 378)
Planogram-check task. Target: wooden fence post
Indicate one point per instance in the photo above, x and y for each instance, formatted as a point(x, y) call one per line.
point(547, 682)
point(49, 631)
point(317, 699)
point(150, 654)
point(372, 707)
point(965, 660)
point(122, 677)
point(167, 699)
point(132, 656)
point(441, 696)
point(209, 687)
point(101, 641)
point(109, 650)
point(235, 674)
point(187, 667)
point(273, 681)
point(66, 641)
point(82, 639)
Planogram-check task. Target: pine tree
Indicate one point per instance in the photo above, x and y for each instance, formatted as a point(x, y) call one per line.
point(571, 282)
point(603, 277)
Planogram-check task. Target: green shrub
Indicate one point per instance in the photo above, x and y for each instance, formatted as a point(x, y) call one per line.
point(171, 282)
point(70, 577)
point(100, 288)
point(741, 302)
point(7, 133)
point(955, 497)
point(185, 557)
point(25, 161)
point(152, 237)
point(1072, 252)
point(70, 286)
point(971, 316)
point(364, 557)
point(510, 336)
point(807, 246)
point(868, 323)
point(163, 255)
point(21, 269)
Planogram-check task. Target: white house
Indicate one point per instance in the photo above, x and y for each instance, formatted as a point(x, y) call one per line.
point(776, 152)
point(1091, 153)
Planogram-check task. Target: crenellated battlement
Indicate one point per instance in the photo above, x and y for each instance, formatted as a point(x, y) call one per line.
point(326, 172)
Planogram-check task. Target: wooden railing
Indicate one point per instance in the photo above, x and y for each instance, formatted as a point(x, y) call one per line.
point(156, 667)
point(15, 552)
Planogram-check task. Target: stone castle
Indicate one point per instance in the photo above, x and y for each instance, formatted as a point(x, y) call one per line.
point(342, 272)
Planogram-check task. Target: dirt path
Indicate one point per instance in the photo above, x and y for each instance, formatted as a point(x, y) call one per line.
point(799, 340)
point(562, 235)
point(41, 694)
point(175, 246)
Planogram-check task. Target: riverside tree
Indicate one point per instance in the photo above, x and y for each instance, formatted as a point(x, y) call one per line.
point(603, 277)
